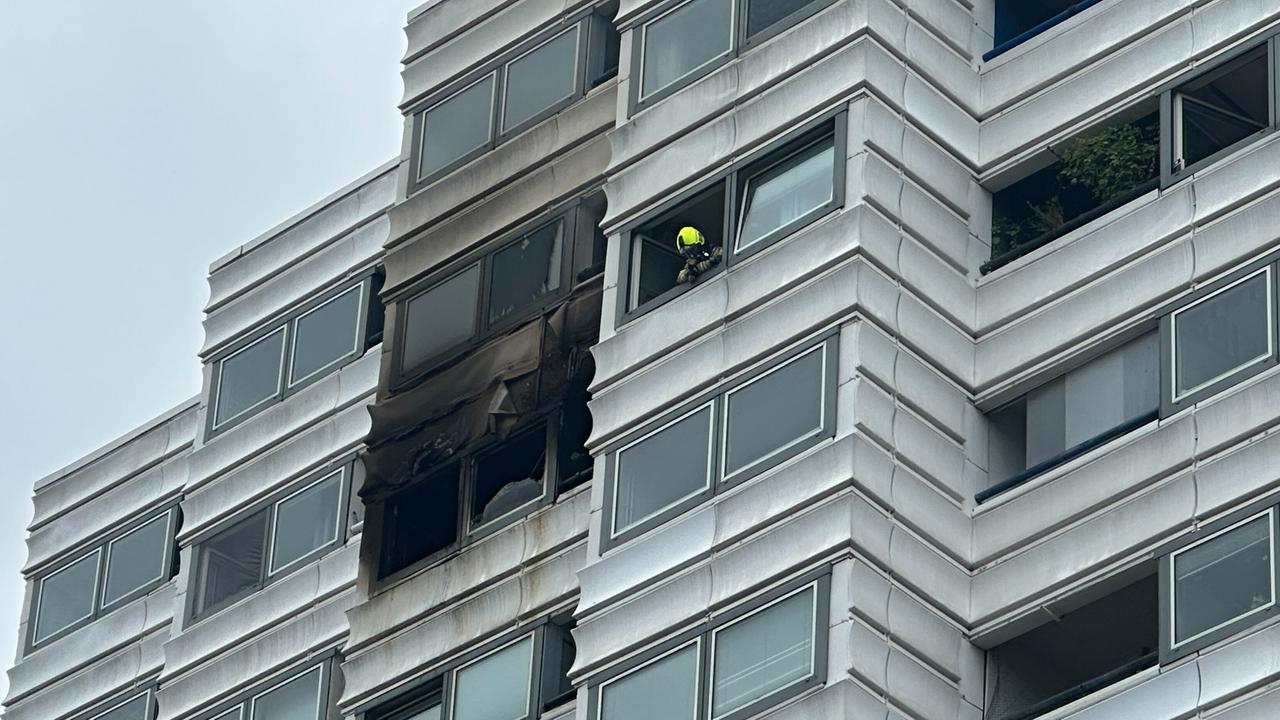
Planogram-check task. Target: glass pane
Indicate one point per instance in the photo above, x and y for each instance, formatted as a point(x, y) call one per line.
point(684, 40)
point(431, 713)
point(540, 79)
point(306, 521)
point(326, 335)
point(525, 271)
point(298, 699)
point(1222, 578)
point(1225, 108)
point(441, 317)
point(230, 562)
point(762, 14)
point(666, 689)
point(774, 411)
point(250, 376)
point(663, 469)
point(497, 686)
point(456, 126)
point(137, 559)
point(762, 654)
point(66, 596)
point(135, 709)
point(656, 269)
point(1222, 334)
point(788, 191)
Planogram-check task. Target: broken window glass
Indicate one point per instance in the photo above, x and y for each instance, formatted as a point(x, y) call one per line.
point(230, 563)
point(1223, 578)
point(526, 271)
point(509, 477)
point(684, 40)
point(249, 377)
point(420, 521)
point(457, 126)
point(1224, 107)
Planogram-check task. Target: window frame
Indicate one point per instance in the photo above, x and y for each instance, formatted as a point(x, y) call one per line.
point(270, 505)
point(702, 635)
point(285, 322)
point(274, 522)
point(243, 701)
point(739, 43)
point(829, 343)
point(121, 699)
point(734, 177)
point(100, 545)
point(1171, 650)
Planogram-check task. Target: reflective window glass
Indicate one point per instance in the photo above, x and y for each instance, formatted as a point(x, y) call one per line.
point(497, 686)
point(787, 192)
point(250, 376)
point(137, 559)
point(134, 709)
point(540, 79)
point(666, 688)
point(431, 713)
point(763, 14)
point(297, 699)
point(230, 563)
point(684, 40)
point(456, 127)
point(662, 469)
point(66, 596)
point(306, 522)
point(441, 317)
point(526, 271)
point(774, 411)
point(1223, 578)
point(763, 653)
point(325, 335)
point(1222, 333)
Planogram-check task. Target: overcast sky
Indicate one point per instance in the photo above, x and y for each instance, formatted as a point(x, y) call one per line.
point(139, 141)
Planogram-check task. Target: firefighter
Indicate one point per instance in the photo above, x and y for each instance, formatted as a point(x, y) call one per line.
point(698, 257)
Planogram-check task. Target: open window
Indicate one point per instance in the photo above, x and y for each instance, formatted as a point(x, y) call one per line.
point(508, 478)
point(420, 521)
point(1221, 109)
point(1017, 21)
point(655, 261)
point(1082, 651)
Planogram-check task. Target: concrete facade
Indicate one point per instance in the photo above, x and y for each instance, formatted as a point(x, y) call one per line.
point(940, 590)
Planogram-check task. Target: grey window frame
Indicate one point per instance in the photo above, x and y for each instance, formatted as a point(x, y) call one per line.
point(827, 341)
point(266, 577)
point(586, 65)
point(286, 322)
point(1171, 404)
point(242, 701)
point(121, 699)
point(1169, 651)
point(739, 42)
point(702, 635)
point(101, 546)
point(734, 179)
point(575, 220)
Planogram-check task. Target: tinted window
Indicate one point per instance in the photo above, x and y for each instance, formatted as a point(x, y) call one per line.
point(763, 653)
point(774, 411)
point(66, 596)
point(496, 687)
point(762, 14)
point(525, 271)
point(298, 699)
point(326, 335)
point(667, 688)
point(1222, 579)
point(137, 559)
point(540, 79)
point(306, 522)
point(441, 317)
point(456, 127)
point(135, 709)
point(1222, 109)
point(230, 563)
point(1222, 333)
point(250, 376)
point(663, 469)
point(787, 192)
point(684, 40)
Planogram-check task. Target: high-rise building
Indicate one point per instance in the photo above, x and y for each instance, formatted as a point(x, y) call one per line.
point(723, 359)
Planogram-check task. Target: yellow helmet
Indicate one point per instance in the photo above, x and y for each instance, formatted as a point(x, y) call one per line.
point(688, 238)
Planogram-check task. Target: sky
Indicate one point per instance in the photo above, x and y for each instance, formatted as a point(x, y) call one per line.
point(139, 141)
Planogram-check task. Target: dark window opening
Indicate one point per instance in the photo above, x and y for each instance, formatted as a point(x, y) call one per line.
point(558, 652)
point(373, 328)
point(763, 15)
point(419, 521)
point(1086, 650)
point(656, 263)
point(1219, 110)
point(1015, 17)
point(605, 45)
point(231, 563)
point(574, 463)
point(509, 477)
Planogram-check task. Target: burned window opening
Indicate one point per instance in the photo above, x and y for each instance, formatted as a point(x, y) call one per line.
point(420, 521)
point(574, 464)
point(509, 477)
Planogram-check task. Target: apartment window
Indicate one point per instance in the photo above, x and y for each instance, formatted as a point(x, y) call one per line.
point(128, 564)
point(441, 317)
point(1074, 413)
point(1081, 651)
point(755, 656)
point(420, 521)
point(1020, 20)
point(138, 705)
point(513, 92)
point(1220, 584)
point(295, 695)
point(751, 206)
point(1219, 336)
point(686, 42)
point(509, 477)
point(762, 419)
point(295, 350)
point(1222, 108)
point(291, 529)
